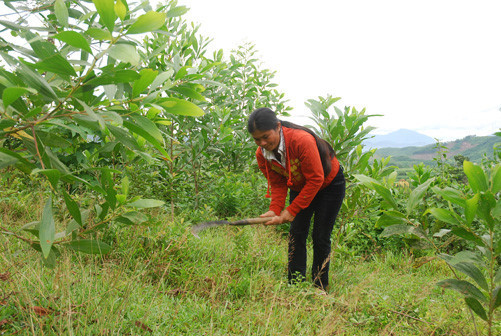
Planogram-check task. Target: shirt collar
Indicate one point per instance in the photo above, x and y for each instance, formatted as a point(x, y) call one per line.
point(269, 155)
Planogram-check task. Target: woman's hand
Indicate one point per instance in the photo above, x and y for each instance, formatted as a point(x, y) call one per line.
point(285, 217)
point(268, 214)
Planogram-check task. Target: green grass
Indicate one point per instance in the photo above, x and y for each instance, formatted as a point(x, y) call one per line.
point(161, 280)
point(231, 281)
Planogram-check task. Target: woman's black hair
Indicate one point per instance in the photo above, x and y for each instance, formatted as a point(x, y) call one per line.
point(264, 119)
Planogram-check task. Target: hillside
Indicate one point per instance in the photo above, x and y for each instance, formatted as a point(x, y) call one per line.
point(399, 139)
point(472, 147)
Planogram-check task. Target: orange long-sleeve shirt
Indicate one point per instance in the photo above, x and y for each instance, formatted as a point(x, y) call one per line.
point(303, 172)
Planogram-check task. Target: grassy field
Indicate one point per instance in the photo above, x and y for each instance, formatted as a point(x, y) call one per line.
point(161, 280)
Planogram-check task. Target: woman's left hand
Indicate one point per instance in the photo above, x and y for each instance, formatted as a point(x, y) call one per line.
point(285, 217)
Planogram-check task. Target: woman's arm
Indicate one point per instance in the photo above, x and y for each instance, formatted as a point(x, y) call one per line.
point(277, 182)
point(311, 169)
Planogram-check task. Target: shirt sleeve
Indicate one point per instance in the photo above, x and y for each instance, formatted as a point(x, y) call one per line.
point(311, 169)
point(277, 182)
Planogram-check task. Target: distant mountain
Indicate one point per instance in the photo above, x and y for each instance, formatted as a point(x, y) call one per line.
point(399, 139)
point(472, 147)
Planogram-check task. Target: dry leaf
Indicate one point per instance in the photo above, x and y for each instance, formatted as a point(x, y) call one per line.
point(5, 276)
point(4, 321)
point(176, 292)
point(42, 311)
point(143, 326)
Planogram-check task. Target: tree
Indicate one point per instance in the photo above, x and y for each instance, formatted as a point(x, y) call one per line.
point(82, 96)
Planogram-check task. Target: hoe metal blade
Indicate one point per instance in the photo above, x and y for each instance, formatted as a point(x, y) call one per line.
point(248, 221)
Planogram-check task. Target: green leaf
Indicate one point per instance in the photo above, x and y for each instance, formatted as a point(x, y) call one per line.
point(497, 247)
point(34, 80)
point(120, 9)
point(476, 307)
point(6, 123)
point(11, 25)
point(496, 297)
point(148, 22)
point(166, 122)
point(385, 193)
point(125, 185)
point(444, 215)
point(390, 218)
point(125, 53)
point(73, 225)
point(7, 160)
point(50, 261)
point(148, 126)
point(41, 47)
point(366, 180)
point(189, 92)
point(52, 175)
point(106, 11)
point(397, 230)
point(34, 229)
point(146, 203)
point(161, 78)
point(441, 233)
point(476, 176)
point(486, 205)
point(182, 72)
point(99, 34)
point(140, 131)
point(61, 12)
point(497, 279)
point(124, 137)
point(177, 11)
point(11, 94)
point(181, 107)
point(463, 287)
point(56, 163)
point(7, 157)
point(463, 256)
point(451, 195)
point(47, 229)
point(56, 64)
point(470, 209)
point(496, 179)
point(53, 140)
point(132, 217)
point(90, 246)
point(74, 39)
point(120, 76)
point(468, 235)
point(72, 208)
point(108, 184)
point(417, 195)
point(147, 77)
point(93, 115)
point(111, 197)
point(473, 272)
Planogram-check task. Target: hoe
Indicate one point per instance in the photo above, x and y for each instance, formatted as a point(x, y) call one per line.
point(249, 221)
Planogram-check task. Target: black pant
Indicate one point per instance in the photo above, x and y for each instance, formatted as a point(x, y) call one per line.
point(325, 206)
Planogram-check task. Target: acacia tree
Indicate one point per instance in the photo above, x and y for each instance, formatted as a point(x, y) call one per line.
point(80, 96)
point(247, 86)
point(229, 90)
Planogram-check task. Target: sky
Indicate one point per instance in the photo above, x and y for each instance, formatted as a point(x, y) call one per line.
point(429, 66)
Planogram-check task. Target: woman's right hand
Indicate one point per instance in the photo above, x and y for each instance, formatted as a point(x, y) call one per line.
point(268, 214)
point(275, 219)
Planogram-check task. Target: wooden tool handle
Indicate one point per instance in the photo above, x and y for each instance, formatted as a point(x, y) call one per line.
point(250, 221)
